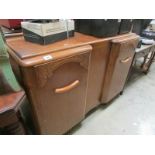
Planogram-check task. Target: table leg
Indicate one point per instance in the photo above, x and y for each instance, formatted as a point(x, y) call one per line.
point(147, 64)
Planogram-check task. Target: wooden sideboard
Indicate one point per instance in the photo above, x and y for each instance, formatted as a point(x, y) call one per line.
point(63, 80)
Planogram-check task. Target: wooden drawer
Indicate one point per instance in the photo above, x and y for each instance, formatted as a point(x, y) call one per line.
point(58, 92)
point(121, 56)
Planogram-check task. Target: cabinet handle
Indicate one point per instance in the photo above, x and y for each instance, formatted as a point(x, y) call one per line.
point(67, 88)
point(126, 60)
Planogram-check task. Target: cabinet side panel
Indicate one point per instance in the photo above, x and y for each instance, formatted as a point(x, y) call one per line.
point(99, 58)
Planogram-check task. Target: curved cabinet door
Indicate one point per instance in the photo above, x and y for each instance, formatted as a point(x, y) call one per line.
point(60, 93)
point(121, 56)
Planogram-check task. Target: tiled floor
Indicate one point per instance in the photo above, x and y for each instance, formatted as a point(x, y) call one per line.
point(131, 113)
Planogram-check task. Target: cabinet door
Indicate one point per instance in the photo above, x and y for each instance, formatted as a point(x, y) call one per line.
point(121, 56)
point(60, 92)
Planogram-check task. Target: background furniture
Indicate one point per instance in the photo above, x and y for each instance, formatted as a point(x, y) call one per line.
point(11, 95)
point(147, 52)
point(11, 23)
point(139, 25)
point(11, 121)
point(63, 80)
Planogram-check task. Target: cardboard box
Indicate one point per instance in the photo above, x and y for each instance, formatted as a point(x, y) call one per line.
point(47, 32)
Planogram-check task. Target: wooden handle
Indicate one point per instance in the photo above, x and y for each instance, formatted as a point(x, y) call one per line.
point(126, 60)
point(67, 88)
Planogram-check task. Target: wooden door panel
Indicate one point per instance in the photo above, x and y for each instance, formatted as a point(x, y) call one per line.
point(59, 112)
point(121, 56)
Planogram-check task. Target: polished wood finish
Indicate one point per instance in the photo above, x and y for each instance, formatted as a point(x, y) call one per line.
point(99, 59)
point(65, 87)
point(121, 56)
point(57, 112)
point(10, 119)
point(10, 101)
point(30, 54)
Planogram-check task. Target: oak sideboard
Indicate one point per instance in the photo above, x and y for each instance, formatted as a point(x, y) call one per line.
point(67, 79)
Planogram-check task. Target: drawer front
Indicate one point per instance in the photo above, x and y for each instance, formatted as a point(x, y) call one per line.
point(122, 53)
point(60, 93)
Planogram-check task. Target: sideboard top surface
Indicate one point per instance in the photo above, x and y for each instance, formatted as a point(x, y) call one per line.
point(27, 53)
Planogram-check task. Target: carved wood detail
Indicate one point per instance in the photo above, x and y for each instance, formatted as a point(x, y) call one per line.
point(44, 72)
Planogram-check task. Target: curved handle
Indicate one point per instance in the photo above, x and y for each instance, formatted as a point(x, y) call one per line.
point(126, 60)
point(67, 88)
